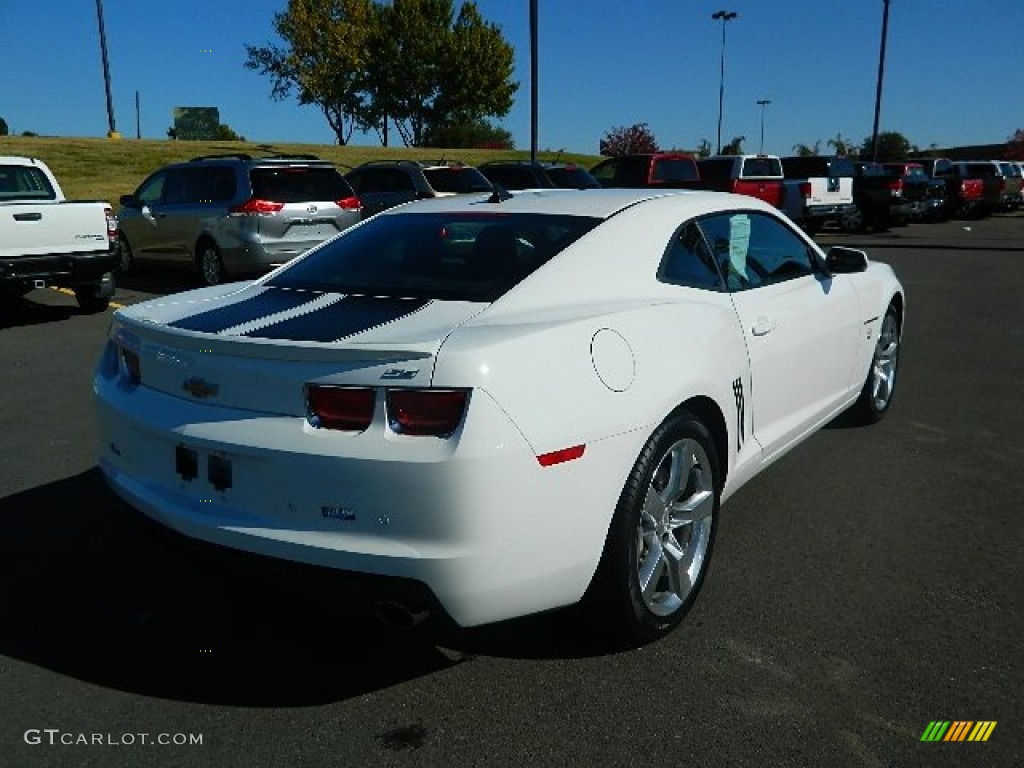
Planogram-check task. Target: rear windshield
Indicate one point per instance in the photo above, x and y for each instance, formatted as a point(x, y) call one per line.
point(761, 166)
point(299, 184)
point(458, 256)
point(669, 169)
point(23, 182)
point(807, 167)
point(457, 180)
point(572, 178)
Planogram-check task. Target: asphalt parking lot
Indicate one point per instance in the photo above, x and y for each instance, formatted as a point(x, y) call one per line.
point(866, 585)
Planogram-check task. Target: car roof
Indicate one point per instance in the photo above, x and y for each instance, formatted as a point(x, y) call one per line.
point(599, 203)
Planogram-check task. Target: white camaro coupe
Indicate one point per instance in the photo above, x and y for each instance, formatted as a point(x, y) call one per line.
point(509, 403)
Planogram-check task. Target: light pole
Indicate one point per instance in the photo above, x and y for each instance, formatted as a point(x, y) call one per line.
point(533, 81)
point(112, 131)
point(878, 89)
point(723, 16)
point(763, 103)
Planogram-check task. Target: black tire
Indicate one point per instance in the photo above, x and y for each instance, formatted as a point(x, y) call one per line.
point(209, 264)
point(852, 220)
point(880, 384)
point(644, 530)
point(88, 300)
point(125, 257)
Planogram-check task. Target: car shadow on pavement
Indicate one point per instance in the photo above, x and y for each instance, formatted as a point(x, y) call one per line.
point(19, 312)
point(89, 593)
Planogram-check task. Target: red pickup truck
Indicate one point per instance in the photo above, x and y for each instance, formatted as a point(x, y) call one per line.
point(759, 176)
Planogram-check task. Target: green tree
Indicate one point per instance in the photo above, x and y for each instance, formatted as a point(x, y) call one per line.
point(734, 147)
point(704, 148)
point(431, 67)
point(477, 134)
point(324, 58)
point(842, 146)
point(225, 133)
point(892, 145)
point(3, 127)
point(805, 150)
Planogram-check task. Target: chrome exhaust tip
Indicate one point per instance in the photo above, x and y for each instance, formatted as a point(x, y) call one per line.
point(399, 616)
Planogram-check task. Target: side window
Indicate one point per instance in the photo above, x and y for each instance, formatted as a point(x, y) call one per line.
point(152, 189)
point(218, 185)
point(754, 249)
point(688, 261)
point(182, 186)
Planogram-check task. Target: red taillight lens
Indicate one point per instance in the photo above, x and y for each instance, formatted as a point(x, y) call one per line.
point(805, 189)
point(435, 412)
point(350, 204)
point(111, 224)
point(345, 408)
point(256, 207)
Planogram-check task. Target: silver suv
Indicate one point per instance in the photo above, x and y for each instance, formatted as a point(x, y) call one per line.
point(234, 215)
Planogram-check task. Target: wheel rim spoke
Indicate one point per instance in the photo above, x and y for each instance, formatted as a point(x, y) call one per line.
point(674, 527)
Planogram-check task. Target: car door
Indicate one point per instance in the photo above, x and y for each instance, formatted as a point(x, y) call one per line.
point(141, 223)
point(801, 327)
point(180, 213)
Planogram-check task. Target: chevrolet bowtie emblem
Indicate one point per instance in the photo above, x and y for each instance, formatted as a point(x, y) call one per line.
point(200, 388)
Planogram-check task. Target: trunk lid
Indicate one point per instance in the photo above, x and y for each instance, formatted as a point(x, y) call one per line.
point(256, 348)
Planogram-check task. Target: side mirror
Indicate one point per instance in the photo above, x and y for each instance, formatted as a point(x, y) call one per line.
point(129, 201)
point(845, 261)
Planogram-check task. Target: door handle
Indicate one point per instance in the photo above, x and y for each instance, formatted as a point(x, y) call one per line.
point(763, 326)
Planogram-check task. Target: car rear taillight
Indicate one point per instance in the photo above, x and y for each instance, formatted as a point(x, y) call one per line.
point(350, 204)
point(895, 187)
point(111, 225)
point(349, 409)
point(256, 207)
point(805, 189)
point(132, 367)
point(436, 412)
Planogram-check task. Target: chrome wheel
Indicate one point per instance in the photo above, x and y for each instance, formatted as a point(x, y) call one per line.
point(674, 531)
point(882, 379)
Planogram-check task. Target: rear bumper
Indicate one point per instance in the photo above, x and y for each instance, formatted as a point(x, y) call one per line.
point(487, 531)
point(64, 270)
point(826, 212)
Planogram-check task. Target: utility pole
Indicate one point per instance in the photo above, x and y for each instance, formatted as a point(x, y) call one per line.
point(878, 89)
point(138, 118)
point(111, 130)
point(763, 103)
point(533, 81)
point(722, 16)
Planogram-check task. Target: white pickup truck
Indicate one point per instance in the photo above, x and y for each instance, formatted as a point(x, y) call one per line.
point(46, 240)
point(818, 189)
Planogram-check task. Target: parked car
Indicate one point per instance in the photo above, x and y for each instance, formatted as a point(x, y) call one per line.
point(433, 415)
point(878, 200)
point(817, 189)
point(1013, 195)
point(383, 184)
point(993, 183)
point(516, 174)
point(759, 176)
point(927, 196)
point(570, 176)
point(964, 195)
point(234, 215)
point(48, 240)
point(655, 169)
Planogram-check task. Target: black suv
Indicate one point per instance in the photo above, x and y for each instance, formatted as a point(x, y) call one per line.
point(522, 174)
point(383, 184)
point(234, 214)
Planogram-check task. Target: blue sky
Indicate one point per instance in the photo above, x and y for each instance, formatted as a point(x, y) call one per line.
point(954, 69)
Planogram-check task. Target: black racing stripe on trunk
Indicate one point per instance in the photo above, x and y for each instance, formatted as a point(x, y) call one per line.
point(351, 315)
point(268, 302)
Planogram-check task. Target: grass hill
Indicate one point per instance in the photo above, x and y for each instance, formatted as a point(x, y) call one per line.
point(105, 169)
